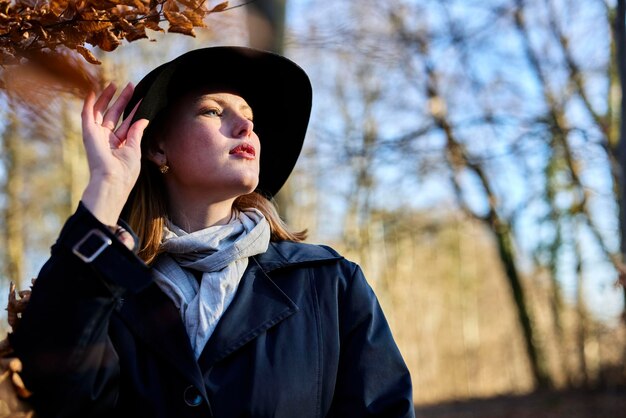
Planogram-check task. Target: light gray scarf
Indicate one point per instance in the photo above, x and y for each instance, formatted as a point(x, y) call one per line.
point(221, 253)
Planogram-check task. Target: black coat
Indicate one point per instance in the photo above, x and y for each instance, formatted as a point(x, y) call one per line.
point(303, 337)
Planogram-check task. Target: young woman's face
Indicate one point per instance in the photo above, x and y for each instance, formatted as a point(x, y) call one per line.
point(210, 146)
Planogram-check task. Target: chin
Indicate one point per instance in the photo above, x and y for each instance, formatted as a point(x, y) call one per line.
point(247, 186)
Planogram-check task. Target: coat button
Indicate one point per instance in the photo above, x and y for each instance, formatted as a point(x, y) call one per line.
point(192, 396)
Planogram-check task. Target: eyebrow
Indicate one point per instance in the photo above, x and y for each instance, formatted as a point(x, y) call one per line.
point(244, 106)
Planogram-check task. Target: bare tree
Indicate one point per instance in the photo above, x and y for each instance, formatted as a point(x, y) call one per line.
point(505, 106)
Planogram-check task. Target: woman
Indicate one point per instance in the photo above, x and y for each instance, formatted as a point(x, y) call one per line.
point(224, 312)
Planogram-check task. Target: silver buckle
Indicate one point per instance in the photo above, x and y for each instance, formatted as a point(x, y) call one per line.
point(86, 257)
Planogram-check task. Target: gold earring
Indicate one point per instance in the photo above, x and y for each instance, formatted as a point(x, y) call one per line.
point(164, 168)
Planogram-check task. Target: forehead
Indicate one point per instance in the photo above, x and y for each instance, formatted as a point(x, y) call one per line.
point(222, 98)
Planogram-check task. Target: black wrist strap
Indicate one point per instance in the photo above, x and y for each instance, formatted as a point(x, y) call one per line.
point(94, 245)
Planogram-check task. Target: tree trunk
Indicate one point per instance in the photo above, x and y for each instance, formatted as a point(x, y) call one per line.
point(13, 215)
point(581, 313)
point(266, 28)
point(620, 44)
point(266, 25)
point(458, 160)
point(504, 236)
point(74, 173)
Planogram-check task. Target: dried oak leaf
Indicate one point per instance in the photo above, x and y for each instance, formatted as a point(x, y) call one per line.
point(155, 3)
point(4, 25)
point(219, 8)
point(138, 33)
point(170, 6)
point(93, 26)
point(16, 306)
point(196, 19)
point(102, 4)
point(129, 31)
point(88, 55)
point(71, 37)
point(41, 32)
point(11, 368)
point(105, 40)
point(27, 4)
point(19, 385)
point(125, 25)
point(141, 7)
point(179, 23)
point(152, 22)
point(69, 13)
point(193, 4)
point(17, 36)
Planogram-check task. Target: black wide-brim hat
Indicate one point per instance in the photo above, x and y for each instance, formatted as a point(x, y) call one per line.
point(277, 90)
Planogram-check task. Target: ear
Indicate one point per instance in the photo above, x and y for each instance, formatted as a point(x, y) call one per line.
point(156, 154)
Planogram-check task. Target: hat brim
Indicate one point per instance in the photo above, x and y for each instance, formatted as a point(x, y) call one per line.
point(277, 90)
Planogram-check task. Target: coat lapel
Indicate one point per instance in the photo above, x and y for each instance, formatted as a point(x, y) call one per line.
point(259, 304)
point(153, 317)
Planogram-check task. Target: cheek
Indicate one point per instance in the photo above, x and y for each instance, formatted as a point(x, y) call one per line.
point(189, 147)
point(257, 144)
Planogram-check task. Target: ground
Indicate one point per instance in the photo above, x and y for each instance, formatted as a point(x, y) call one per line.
point(574, 404)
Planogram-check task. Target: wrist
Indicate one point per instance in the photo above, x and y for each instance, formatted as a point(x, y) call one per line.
point(105, 200)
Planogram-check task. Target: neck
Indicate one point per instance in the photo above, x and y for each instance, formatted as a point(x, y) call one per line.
point(195, 214)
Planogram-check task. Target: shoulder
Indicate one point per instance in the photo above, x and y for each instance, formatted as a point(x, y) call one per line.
point(302, 248)
point(282, 254)
point(322, 259)
point(325, 265)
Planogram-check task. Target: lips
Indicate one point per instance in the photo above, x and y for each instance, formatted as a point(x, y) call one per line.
point(244, 150)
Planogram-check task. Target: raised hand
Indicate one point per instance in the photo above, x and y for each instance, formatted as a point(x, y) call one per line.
point(113, 152)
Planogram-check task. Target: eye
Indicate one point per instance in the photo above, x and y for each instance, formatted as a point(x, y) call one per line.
point(212, 112)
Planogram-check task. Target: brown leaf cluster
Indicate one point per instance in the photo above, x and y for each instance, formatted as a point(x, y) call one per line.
point(13, 391)
point(46, 45)
point(12, 366)
point(12, 388)
point(29, 26)
point(16, 306)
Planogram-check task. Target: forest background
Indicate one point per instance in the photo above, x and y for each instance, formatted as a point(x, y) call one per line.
point(468, 154)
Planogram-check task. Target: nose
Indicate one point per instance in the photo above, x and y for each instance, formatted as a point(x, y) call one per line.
point(243, 127)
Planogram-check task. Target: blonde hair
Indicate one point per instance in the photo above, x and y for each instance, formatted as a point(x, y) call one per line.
point(146, 212)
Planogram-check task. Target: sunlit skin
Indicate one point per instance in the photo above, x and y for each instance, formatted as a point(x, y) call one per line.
point(213, 154)
point(113, 152)
point(210, 146)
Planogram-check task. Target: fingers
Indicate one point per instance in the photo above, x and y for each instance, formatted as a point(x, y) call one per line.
point(88, 123)
point(87, 112)
point(127, 239)
point(132, 134)
point(114, 112)
point(95, 113)
point(103, 101)
point(123, 129)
